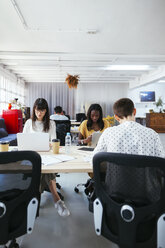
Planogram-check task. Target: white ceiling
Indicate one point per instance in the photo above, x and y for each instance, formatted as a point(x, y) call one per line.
point(43, 40)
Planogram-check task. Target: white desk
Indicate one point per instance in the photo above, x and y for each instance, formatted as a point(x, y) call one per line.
point(76, 165)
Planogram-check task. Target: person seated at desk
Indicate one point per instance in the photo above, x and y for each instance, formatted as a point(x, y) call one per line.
point(93, 123)
point(40, 123)
point(58, 114)
point(129, 137)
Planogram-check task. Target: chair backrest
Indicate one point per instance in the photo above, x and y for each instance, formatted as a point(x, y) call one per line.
point(62, 127)
point(68, 116)
point(19, 193)
point(80, 117)
point(130, 198)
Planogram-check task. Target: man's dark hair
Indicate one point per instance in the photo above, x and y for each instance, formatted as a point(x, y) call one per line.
point(58, 109)
point(123, 107)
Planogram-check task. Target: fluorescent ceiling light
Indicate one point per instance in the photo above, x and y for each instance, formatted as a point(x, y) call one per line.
point(127, 67)
point(161, 81)
point(11, 63)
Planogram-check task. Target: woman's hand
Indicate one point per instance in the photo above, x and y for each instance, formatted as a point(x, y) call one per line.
point(84, 141)
point(88, 139)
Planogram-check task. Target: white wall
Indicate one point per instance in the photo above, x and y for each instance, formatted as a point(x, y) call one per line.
point(104, 94)
point(143, 108)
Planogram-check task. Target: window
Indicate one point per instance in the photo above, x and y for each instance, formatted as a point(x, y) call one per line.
point(10, 89)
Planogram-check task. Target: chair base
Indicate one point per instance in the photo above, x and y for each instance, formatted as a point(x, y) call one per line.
point(88, 186)
point(76, 189)
point(89, 191)
point(11, 244)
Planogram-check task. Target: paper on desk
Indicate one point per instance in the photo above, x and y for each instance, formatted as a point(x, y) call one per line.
point(64, 158)
point(55, 159)
point(87, 158)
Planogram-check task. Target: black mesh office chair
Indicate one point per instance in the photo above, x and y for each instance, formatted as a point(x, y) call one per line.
point(62, 127)
point(19, 194)
point(130, 203)
point(80, 117)
point(89, 184)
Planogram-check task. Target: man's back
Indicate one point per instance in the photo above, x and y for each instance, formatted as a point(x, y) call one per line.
point(131, 138)
point(58, 117)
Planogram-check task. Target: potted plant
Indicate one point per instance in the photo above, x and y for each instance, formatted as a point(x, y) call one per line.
point(72, 81)
point(159, 104)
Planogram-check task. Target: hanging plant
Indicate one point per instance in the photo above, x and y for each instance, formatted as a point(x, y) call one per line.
point(72, 81)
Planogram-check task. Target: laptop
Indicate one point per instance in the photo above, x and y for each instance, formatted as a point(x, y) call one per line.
point(95, 138)
point(33, 141)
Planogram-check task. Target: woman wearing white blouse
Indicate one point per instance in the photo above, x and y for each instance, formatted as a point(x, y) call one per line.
point(40, 123)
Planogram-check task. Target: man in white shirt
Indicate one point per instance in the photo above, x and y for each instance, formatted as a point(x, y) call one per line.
point(129, 137)
point(58, 114)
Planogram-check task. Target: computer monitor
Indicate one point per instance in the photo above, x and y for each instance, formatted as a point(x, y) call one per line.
point(147, 96)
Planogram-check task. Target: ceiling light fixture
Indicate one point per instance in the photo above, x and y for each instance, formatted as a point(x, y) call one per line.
point(92, 31)
point(161, 81)
point(127, 67)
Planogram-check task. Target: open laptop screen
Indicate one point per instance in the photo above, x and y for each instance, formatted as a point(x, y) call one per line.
point(33, 141)
point(95, 138)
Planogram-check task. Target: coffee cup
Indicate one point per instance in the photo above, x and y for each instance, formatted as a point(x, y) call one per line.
point(55, 146)
point(4, 146)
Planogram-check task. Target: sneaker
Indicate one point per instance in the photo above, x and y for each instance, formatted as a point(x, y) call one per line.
point(61, 208)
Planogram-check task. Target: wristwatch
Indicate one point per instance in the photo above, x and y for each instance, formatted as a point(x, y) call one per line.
point(82, 142)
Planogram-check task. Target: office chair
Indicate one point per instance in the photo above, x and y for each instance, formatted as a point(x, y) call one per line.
point(80, 117)
point(129, 208)
point(68, 116)
point(62, 127)
point(89, 183)
point(19, 195)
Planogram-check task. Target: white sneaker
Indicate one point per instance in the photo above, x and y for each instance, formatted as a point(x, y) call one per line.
point(61, 208)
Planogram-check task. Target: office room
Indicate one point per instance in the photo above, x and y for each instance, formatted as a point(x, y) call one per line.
point(115, 49)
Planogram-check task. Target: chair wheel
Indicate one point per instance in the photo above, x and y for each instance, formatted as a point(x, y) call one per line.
point(76, 190)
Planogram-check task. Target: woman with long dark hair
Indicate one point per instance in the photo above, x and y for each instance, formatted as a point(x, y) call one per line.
point(40, 122)
point(93, 124)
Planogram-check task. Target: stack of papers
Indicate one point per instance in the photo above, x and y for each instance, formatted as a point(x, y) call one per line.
point(55, 159)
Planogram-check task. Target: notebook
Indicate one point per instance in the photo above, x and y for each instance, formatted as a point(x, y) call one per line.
point(95, 138)
point(33, 141)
